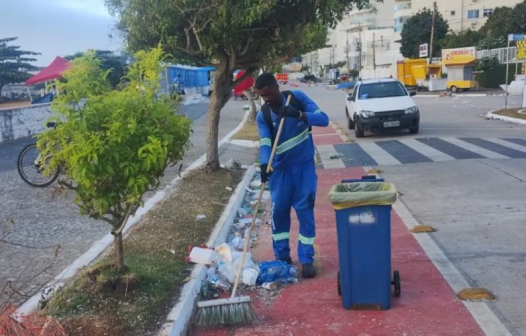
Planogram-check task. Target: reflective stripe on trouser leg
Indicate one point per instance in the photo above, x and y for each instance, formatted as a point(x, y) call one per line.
point(281, 194)
point(303, 202)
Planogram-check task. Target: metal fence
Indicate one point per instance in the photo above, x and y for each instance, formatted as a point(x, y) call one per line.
point(501, 54)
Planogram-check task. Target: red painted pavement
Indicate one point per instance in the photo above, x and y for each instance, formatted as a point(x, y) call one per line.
point(427, 306)
point(325, 136)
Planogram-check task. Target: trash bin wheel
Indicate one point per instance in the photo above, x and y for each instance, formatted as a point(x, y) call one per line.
point(396, 283)
point(339, 285)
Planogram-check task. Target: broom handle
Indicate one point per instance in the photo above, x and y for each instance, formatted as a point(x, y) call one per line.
point(260, 197)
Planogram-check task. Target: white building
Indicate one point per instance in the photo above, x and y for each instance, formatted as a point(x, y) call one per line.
point(364, 40)
point(464, 14)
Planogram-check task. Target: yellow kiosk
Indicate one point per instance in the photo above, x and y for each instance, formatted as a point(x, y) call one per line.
point(459, 64)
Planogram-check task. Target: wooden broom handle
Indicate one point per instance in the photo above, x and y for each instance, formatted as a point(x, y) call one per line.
point(258, 203)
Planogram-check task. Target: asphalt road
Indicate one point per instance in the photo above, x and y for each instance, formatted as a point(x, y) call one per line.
point(465, 176)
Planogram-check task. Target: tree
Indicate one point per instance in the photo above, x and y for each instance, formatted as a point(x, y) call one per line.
point(115, 146)
point(504, 21)
point(417, 31)
point(108, 60)
point(466, 38)
point(236, 34)
point(14, 63)
point(499, 24)
point(490, 42)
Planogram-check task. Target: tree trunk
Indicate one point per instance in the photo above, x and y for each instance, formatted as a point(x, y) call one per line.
point(220, 95)
point(119, 251)
point(253, 110)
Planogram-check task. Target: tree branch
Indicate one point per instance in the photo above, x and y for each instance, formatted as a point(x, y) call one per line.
point(67, 185)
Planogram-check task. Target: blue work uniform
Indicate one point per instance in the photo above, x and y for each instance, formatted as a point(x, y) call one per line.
point(294, 181)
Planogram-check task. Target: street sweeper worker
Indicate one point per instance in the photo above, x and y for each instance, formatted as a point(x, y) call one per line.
point(294, 181)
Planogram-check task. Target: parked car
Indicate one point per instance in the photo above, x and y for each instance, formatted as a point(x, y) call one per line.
point(378, 105)
point(311, 79)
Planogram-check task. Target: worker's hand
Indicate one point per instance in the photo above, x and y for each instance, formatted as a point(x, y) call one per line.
point(288, 111)
point(264, 174)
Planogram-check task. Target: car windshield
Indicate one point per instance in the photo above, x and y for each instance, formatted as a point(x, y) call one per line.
point(381, 90)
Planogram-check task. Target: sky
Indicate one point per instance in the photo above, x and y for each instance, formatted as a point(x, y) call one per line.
point(58, 27)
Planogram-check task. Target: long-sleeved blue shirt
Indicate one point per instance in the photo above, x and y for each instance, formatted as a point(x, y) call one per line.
point(295, 145)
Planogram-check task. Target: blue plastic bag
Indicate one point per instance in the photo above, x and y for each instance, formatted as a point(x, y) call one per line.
point(276, 271)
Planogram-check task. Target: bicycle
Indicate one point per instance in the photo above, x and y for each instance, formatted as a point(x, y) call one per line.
point(31, 165)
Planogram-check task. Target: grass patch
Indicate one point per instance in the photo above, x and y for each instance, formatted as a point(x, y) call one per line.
point(155, 254)
point(513, 113)
point(248, 132)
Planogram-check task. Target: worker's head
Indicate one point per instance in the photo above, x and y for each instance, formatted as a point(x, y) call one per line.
point(268, 89)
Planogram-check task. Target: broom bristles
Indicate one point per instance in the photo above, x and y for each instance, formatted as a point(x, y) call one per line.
point(225, 313)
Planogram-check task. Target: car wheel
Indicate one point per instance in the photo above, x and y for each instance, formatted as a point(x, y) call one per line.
point(358, 130)
point(454, 89)
point(414, 130)
point(350, 122)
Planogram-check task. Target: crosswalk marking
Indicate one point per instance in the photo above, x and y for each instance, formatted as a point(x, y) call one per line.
point(508, 144)
point(428, 151)
point(325, 152)
point(379, 154)
point(475, 149)
point(419, 150)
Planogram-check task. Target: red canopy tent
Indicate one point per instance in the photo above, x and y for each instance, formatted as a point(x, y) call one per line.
point(52, 71)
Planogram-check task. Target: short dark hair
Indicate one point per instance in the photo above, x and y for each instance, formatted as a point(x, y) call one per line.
point(265, 79)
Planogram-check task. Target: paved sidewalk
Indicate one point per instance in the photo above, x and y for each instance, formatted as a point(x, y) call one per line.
point(427, 305)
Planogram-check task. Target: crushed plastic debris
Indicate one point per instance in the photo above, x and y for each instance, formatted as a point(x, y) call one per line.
point(201, 217)
point(269, 286)
point(224, 251)
point(205, 256)
point(221, 274)
point(250, 276)
point(336, 156)
point(233, 164)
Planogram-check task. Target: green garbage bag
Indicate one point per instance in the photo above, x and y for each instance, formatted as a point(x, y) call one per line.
point(351, 195)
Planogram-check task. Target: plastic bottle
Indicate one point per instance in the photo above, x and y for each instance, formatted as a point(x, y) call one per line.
point(276, 271)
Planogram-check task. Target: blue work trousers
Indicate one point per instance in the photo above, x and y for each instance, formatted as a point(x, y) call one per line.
point(294, 187)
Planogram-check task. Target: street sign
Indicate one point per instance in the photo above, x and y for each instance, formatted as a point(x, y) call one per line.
point(423, 50)
point(515, 37)
point(450, 54)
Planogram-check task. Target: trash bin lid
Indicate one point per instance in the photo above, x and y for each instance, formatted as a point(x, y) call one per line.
point(351, 195)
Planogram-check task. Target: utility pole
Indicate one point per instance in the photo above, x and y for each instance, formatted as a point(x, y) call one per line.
point(374, 55)
point(359, 49)
point(432, 33)
point(348, 62)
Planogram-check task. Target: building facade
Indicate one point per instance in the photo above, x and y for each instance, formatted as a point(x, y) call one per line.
point(464, 14)
point(364, 40)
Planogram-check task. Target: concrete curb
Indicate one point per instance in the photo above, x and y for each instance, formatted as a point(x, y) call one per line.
point(179, 318)
point(245, 143)
point(492, 116)
point(100, 247)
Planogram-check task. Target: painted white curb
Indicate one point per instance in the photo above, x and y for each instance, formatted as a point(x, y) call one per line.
point(481, 312)
point(99, 247)
point(245, 143)
point(179, 318)
point(491, 115)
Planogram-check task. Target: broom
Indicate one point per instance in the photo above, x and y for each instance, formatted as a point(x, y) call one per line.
point(236, 310)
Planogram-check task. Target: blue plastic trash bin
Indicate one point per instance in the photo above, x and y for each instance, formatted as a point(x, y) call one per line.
point(363, 219)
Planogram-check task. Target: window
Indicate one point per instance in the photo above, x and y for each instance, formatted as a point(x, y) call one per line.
point(381, 90)
point(473, 14)
point(453, 13)
point(487, 12)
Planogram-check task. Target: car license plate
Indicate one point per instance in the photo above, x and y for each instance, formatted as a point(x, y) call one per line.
point(392, 124)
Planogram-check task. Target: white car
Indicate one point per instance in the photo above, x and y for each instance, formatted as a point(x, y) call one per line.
point(378, 105)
